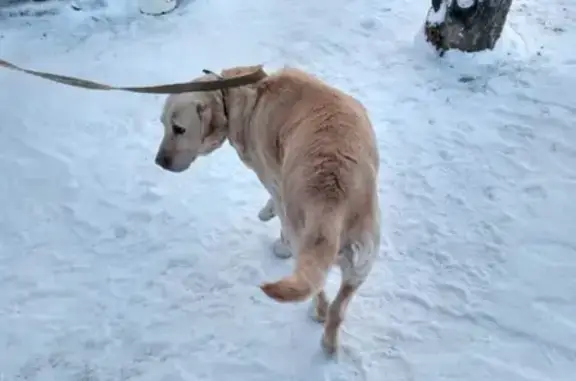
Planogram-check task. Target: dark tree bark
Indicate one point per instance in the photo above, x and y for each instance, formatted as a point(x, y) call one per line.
point(466, 25)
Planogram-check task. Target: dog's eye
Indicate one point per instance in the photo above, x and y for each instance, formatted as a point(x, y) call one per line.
point(178, 130)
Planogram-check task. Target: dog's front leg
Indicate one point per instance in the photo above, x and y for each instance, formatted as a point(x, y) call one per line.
point(267, 212)
point(280, 247)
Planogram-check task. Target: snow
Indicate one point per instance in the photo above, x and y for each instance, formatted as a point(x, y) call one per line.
point(466, 3)
point(436, 17)
point(112, 269)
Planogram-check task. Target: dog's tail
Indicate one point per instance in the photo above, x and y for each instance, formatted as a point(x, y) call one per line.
point(319, 246)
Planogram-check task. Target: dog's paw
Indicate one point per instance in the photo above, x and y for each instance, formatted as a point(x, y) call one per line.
point(319, 310)
point(281, 249)
point(330, 346)
point(318, 314)
point(267, 212)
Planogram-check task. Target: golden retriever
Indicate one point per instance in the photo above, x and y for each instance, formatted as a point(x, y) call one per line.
point(314, 149)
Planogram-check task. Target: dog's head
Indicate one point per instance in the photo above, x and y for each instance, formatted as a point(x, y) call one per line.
point(194, 125)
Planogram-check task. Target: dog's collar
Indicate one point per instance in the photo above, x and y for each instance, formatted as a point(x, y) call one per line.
point(222, 91)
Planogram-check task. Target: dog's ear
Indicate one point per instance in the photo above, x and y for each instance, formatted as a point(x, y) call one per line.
point(213, 128)
point(202, 110)
point(205, 116)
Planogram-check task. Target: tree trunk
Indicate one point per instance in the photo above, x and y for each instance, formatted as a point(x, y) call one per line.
point(466, 25)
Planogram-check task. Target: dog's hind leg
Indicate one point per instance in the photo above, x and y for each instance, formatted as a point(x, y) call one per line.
point(355, 263)
point(335, 315)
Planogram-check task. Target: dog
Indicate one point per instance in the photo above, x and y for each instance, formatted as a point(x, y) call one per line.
point(314, 149)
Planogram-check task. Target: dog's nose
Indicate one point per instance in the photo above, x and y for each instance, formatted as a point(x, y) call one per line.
point(163, 160)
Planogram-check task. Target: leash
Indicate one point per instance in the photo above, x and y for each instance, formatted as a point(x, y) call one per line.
point(173, 88)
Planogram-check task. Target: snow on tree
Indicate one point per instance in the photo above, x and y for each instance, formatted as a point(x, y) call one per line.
point(466, 25)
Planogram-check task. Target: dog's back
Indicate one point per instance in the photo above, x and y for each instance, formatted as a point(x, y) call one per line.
point(329, 168)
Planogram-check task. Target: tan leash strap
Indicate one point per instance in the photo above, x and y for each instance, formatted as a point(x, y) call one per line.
point(173, 88)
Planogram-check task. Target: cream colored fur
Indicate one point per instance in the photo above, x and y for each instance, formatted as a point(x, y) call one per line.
point(314, 150)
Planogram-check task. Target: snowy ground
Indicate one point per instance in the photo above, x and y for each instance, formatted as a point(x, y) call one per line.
point(111, 269)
